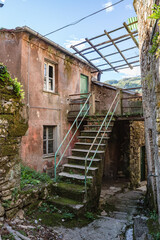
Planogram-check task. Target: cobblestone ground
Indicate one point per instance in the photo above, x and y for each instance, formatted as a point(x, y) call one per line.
point(120, 206)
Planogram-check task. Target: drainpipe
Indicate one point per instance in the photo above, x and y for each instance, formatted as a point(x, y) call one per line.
point(99, 77)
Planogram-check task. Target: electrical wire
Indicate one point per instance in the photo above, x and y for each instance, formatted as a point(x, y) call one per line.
point(74, 23)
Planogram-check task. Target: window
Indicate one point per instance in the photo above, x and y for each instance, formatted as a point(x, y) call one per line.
point(49, 77)
point(49, 136)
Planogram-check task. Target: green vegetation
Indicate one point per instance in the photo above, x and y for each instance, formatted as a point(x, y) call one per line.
point(8, 237)
point(153, 225)
point(126, 82)
point(13, 83)
point(155, 49)
point(31, 177)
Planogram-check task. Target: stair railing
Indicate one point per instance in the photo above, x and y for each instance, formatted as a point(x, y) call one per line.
point(75, 123)
point(109, 113)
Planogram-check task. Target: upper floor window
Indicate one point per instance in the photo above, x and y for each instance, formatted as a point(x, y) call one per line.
point(49, 77)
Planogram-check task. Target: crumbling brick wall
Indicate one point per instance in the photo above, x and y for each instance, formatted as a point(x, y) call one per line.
point(13, 126)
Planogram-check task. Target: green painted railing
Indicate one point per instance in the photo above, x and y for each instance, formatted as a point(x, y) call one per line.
point(109, 113)
point(75, 123)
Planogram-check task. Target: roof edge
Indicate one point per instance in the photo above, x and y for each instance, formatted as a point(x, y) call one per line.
point(38, 35)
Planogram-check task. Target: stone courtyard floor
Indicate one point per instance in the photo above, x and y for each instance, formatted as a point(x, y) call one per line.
point(118, 205)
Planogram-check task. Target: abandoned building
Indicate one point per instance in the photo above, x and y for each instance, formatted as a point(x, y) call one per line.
point(77, 125)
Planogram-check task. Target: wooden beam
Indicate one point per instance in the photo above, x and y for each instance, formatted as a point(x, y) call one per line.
point(106, 42)
point(117, 29)
point(131, 34)
point(127, 49)
point(101, 55)
point(118, 49)
point(86, 59)
point(108, 45)
point(122, 65)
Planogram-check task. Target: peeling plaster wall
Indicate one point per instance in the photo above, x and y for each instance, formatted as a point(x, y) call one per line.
point(151, 92)
point(26, 61)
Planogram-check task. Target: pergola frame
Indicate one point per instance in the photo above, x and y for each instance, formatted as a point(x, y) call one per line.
point(98, 49)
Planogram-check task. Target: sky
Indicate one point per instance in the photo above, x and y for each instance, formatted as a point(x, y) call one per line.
point(49, 15)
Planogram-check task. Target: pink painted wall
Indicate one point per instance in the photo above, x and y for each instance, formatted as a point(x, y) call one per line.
point(24, 56)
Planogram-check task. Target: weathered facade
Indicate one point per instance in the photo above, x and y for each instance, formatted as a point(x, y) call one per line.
point(49, 74)
point(151, 92)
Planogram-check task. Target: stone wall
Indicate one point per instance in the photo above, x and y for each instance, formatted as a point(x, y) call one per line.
point(151, 92)
point(12, 127)
point(137, 140)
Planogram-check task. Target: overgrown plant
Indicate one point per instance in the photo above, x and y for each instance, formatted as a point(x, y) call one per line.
point(31, 177)
point(6, 79)
point(155, 49)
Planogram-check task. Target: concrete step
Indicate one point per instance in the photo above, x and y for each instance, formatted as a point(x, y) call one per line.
point(81, 160)
point(90, 139)
point(94, 133)
point(74, 178)
point(69, 190)
point(83, 152)
point(99, 117)
point(97, 127)
point(78, 169)
point(83, 145)
point(76, 207)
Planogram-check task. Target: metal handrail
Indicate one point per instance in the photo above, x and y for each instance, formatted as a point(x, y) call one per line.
point(104, 122)
point(77, 127)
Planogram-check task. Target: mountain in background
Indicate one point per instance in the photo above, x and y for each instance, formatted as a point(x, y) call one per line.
point(131, 82)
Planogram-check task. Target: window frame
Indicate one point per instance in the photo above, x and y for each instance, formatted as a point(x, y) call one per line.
point(47, 78)
point(47, 139)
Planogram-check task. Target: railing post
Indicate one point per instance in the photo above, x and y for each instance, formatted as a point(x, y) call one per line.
point(93, 104)
point(121, 102)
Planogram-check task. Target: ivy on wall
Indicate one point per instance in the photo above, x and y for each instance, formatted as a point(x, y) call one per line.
point(155, 49)
point(6, 79)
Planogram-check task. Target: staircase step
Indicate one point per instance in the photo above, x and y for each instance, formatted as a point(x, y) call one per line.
point(83, 145)
point(81, 160)
point(83, 152)
point(90, 139)
point(69, 190)
point(74, 178)
point(95, 127)
point(89, 144)
point(66, 203)
point(79, 167)
point(94, 132)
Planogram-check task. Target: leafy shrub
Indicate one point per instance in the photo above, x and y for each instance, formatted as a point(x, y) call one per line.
point(7, 80)
point(30, 176)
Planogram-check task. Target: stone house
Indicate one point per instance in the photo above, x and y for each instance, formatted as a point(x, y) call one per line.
point(53, 80)
point(151, 96)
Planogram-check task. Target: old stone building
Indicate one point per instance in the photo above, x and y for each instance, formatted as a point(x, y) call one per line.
point(151, 92)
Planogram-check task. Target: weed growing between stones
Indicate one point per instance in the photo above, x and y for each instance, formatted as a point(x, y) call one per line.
point(48, 215)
